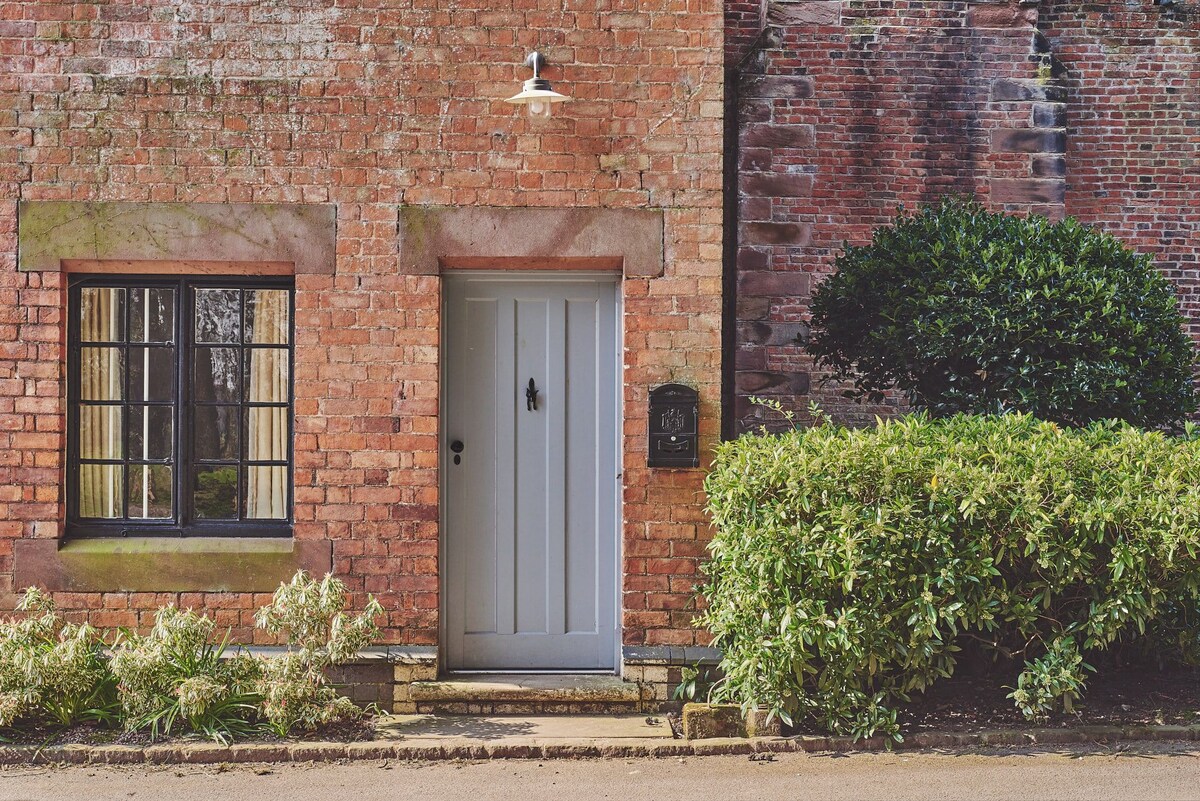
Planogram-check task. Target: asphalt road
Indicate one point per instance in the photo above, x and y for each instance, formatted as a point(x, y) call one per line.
point(1120, 772)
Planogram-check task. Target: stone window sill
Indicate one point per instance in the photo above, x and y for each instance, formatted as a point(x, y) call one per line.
point(159, 564)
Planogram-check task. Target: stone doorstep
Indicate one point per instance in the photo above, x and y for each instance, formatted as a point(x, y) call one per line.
point(518, 747)
point(526, 688)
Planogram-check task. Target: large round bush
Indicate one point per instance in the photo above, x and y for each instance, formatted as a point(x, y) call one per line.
point(849, 566)
point(965, 310)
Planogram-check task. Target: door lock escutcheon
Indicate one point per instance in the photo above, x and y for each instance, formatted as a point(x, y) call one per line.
point(457, 447)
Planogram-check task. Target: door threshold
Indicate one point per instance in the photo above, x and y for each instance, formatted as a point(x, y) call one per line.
point(526, 672)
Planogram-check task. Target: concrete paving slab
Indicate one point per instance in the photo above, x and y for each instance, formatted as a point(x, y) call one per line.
point(519, 729)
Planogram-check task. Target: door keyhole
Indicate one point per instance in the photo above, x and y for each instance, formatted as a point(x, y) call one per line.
point(457, 448)
point(531, 394)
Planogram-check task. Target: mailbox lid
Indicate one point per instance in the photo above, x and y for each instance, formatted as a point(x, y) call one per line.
point(674, 410)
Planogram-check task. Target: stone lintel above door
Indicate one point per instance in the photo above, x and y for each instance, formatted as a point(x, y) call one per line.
point(434, 238)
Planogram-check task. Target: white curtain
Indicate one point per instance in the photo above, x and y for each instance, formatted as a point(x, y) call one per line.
point(267, 436)
point(101, 318)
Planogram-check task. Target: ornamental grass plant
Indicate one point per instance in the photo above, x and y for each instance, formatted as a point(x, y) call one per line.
point(52, 671)
point(182, 677)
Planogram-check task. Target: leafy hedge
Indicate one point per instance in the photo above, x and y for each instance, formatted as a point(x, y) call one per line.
point(966, 310)
point(849, 567)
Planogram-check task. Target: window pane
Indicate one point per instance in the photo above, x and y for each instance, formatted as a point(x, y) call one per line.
point(101, 314)
point(101, 374)
point(215, 492)
point(266, 434)
point(151, 374)
point(151, 315)
point(217, 375)
point(150, 491)
point(267, 375)
point(266, 493)
point(100, 432)
point(218, 315)
point(215, 429)
point(100, 490)
point(267, 316)
point(151, 432)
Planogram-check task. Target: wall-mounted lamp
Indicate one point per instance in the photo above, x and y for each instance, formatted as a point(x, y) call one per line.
point(536, 94)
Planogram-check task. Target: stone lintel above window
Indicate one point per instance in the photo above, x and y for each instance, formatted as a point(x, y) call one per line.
point(53, 232)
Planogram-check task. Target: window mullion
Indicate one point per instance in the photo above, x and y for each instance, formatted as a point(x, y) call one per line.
point(183, 412)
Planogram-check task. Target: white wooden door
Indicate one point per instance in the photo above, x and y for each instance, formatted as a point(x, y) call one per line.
point(531, 472)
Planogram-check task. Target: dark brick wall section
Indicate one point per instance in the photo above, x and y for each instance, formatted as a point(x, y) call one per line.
point(849, 110)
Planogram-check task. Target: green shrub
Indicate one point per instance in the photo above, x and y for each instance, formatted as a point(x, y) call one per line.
point(968, 311)
point(849, 567)
point(50, 669)
point(295, 686)
point(178, 677)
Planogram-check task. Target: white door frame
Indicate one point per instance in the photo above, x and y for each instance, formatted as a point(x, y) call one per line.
point(535, 276)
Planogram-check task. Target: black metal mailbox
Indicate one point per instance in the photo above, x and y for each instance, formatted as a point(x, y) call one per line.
point(674, 418)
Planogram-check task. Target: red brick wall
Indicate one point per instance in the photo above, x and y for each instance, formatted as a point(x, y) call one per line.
point(369, 106)
point(1133, 153)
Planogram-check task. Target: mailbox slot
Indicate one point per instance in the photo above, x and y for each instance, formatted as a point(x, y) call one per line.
point(674, 426)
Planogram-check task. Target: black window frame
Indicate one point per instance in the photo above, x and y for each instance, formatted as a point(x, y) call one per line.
point(185, 522)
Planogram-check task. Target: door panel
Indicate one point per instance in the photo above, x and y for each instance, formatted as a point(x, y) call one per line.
point(530, 510)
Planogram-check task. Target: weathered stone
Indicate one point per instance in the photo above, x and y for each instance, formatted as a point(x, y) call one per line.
point(1049, 167)
point(779, 284)
point(1006, 90)
point(759, 722)
point(1026, 140)
point(762, 233)
point(433, 237)
point(258, 752)
point(776, 184)
point(704, 721)
point(755, 158)
point(1002, 15)
point(751, 259)
point(51, 231)
point(1025, 190)
point(773, 333)
point(1049, 115)
point(777, 136)
point(750, 308)
point(781, 86)
point(204, 753)
point(316, 752)
point(805, 12)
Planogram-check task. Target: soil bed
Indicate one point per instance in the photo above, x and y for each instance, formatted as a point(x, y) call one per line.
point(1130, 696)
point(95, 734)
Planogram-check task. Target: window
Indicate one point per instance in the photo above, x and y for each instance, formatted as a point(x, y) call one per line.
point(180, 407)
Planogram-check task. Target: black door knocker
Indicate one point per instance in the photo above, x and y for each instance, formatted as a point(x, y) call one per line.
point(531, 396)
